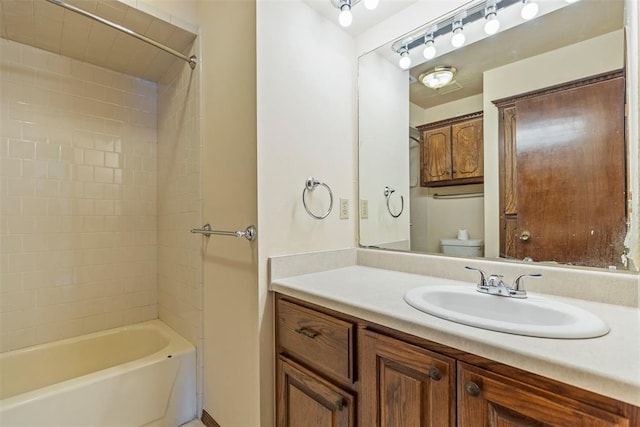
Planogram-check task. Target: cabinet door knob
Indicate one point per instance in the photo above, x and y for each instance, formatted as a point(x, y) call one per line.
point(434, 373)
point(340, 404)
point(307, 333)
point(472, 389)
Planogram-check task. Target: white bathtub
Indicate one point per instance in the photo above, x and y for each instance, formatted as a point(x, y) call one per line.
point(138, 375)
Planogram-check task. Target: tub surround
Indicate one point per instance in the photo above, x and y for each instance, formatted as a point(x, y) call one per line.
point(370, 284)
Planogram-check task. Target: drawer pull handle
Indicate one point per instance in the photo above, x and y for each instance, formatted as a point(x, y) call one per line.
point(307, 333)
point(472, 389)
point(434, 373)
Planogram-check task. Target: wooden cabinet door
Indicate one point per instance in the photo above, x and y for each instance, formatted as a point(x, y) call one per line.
point(467, 149)
point(436, 155)
point(403, 385)
point(305, 399)
point(486, 399)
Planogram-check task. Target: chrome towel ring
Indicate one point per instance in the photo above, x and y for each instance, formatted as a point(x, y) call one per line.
point(310, 184)
point(388, 191)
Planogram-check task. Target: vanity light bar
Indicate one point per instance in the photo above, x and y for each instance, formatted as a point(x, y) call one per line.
point(446, 26)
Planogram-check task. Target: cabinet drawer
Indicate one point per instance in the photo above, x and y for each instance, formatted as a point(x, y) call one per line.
point(317, 339)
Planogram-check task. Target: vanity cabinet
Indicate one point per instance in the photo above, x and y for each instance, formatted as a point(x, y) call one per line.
point(393, 379)
point(404, 385)
point(307, 399)
point(314, 369)
point(451, 151)
point(486, 399)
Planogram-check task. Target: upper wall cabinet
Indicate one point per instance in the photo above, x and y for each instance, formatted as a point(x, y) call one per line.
point(451, 151)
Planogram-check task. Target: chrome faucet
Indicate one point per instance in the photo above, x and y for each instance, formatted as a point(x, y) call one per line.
point(494, 285)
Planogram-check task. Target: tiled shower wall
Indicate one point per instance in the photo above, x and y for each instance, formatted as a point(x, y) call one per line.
point(180, 275)
point(78, 210)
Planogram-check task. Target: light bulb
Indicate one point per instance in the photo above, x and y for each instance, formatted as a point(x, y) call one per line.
point(492, 25)
point(458, 37)
point(429, 51)
point(371, 4)
point(345, 18)
point(405, 60)
point(529, 10)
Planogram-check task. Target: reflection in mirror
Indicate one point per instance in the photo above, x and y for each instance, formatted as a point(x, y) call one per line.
point(439, 147)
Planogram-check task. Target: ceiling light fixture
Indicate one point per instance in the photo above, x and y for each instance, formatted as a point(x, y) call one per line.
point(438, 77)
point(405, 60)
point(483, 12)
point(345, 17)
point(458, 38)
point(529, 9)
point(491, 25)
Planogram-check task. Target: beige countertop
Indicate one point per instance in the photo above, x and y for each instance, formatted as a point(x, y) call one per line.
point(608, 365)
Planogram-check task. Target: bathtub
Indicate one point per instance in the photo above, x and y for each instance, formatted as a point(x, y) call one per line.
point(138, 375)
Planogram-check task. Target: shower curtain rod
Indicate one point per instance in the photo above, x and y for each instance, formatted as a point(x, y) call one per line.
point(192, 60)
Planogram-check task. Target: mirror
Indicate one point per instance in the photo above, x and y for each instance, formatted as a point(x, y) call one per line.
point(574, 42)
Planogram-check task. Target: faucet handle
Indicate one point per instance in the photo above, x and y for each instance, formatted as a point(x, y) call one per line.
point(517, 290)
point(483, 275)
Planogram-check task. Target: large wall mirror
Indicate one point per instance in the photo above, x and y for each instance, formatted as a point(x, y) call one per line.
point(439, 166)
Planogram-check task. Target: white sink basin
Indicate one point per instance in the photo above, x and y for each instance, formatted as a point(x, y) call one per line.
point(534, 316)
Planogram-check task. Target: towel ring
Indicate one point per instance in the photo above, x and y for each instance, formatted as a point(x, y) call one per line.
point(388, 191)
point(310, 184)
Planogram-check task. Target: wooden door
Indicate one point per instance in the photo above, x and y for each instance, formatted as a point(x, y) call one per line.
point(571, 186)
point(404, 385)
point(486, 399)
point(508, 188)
point(467, 149)
point(436, 155)
point(305, 399)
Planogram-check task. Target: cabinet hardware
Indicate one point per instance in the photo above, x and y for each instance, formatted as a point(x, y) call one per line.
point(434, 373)
point(307, 333)
point(340, 404)
point(472, 389)
point(525, 236)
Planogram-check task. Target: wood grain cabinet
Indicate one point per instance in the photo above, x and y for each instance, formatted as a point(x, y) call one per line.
point(404, 385)
point(486, 399)
point(306, 399)
point(452, 151)
point(398, 380)
point(315, 368)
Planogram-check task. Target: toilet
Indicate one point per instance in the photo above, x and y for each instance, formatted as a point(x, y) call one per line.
point(470, 247)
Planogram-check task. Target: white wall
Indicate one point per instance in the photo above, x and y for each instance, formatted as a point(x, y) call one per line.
point(383, 120)
point(531, 74)
point(306, 110)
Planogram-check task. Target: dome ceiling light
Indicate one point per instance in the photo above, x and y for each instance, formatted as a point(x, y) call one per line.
point(438, 77)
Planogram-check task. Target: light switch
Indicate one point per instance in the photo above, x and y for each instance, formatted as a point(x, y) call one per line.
point(364, 209)
point(344, 208)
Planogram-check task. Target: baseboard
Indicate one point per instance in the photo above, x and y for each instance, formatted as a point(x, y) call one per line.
point(208, 420)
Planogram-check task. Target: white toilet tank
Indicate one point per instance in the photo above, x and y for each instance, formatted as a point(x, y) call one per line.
point(470, 247)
